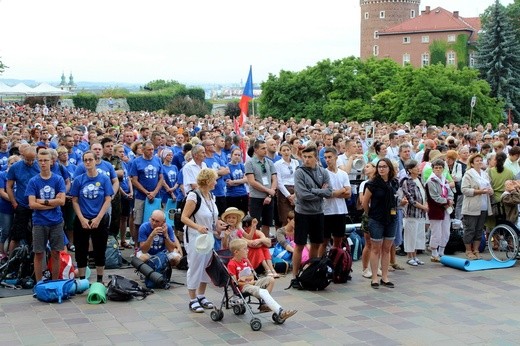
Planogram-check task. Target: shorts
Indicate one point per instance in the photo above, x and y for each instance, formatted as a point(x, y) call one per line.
point(263, 213)
point(125, 206)
point(310, 226)
point(22, 221)
point(379, 230)
point(54, 234)
point(138, 211)
point(254, 290)
point(334, 225)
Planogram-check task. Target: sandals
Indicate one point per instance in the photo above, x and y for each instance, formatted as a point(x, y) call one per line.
point(264, 308)
point(477, 255)
point(285, 314)
point(412, 262)
point(206, 304)
point(195, 306)
point(396, 266)
point(273, 274)
point(435, 259)
point(470, 255)
point(125, 245)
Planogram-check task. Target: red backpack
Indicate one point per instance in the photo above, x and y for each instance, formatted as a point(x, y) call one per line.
point(341, 260)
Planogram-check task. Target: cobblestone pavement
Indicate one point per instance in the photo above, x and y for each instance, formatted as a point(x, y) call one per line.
point(431, 305)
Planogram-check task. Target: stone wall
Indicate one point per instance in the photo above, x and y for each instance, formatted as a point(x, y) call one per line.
point(118, 105)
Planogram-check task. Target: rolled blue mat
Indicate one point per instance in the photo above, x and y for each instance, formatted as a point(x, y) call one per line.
point(475, 265)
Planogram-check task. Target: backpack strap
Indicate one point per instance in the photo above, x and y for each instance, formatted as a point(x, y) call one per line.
point(198, 203)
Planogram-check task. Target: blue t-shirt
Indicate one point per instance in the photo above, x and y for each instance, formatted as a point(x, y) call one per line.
point(277, 157)
point(176, 149)
point(170, 174)
point(178, 192)
point(104, 168)
point(91, 193)
point(72, 169)
point(82, 147)
point(21, 174)
point(3, 160)
point(128, 152)
point(236, 172)
point(75, 157)
point(178, 160)
point(158, 243)
point(51, 145)
point(60, 170)
point(124, 184)
point(46, 189)
point(321, 156)
point(215, 163)
point(5, 206)
point(147, 172)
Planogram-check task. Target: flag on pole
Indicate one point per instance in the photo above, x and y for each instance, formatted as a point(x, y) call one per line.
point(247, 96)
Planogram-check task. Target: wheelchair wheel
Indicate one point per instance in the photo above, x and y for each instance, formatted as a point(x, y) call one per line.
point(237, 309)
point(503, 243)
point(256, 324)
point(277, 319)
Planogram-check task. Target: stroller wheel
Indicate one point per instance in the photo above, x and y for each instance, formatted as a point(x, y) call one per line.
point(242, 309)
point(237, 309)
point(217, 315)
point(256, 324)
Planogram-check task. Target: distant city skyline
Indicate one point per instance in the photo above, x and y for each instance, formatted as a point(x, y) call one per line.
point(197, 42)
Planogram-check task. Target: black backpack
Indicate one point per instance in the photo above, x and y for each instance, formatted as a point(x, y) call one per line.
point(315, 274)
point(341, 261)
point(122, 289)
point(177, 223)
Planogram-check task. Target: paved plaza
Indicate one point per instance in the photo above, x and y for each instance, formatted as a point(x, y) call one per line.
point(431, 305)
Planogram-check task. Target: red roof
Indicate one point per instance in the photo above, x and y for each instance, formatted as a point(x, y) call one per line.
point(437, 19)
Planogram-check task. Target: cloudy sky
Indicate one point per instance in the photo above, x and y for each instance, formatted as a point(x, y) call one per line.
point(195, 41)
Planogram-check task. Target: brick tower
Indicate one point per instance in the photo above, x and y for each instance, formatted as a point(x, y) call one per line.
point(377, 15)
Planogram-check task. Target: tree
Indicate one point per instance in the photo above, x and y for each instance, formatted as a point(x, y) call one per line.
point(232, 109)
point(160, 84)
point(2, 67)
point(186, 105)
point(498, 58)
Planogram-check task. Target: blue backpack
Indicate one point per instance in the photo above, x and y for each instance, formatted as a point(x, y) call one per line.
point(113, 257)
point(357, 246)
point(160, 264)
point(51, 291)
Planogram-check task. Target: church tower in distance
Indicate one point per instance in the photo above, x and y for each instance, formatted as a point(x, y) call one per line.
point(377, 15)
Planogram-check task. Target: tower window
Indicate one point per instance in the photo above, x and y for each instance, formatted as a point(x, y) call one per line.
point(382, 14)
point(425, 59)
point(406, 39)
point(367, 15)
point(376, 34)
point(412, 14)
point(376, 50)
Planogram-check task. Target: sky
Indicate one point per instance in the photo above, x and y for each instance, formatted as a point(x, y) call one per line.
point(193, 41)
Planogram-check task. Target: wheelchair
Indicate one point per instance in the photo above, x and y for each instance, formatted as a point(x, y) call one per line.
point(503, 238)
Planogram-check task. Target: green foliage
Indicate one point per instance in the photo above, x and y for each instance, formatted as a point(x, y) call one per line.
point(148, 102)
point(86, 100)
point(115, 93)
point(438, 52)
point(498, 58)
point(380, 90)
point(161, 84)
point(188, 106)
point(232, 109)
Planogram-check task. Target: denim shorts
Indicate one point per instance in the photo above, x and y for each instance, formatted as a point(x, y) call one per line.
point(379, 230)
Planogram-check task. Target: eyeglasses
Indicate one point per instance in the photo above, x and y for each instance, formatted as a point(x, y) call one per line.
point(88, 160)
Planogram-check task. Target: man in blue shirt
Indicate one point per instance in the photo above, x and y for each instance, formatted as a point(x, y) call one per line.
point(20, 173)
point(157, 236)
point(46, 195)
point(147, 179)
point(214, 161)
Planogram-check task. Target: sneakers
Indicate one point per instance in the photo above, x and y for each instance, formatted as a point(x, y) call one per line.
point(285, 314)
point(367, 273)
point(412, 262)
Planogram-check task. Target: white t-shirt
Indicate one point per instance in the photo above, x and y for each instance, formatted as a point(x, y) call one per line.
point(334, 206)
point(189, 174)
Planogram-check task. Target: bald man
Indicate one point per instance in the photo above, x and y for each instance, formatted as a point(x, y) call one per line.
point(155, 236)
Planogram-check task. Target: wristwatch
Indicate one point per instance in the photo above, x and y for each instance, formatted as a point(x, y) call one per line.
point(46, 202)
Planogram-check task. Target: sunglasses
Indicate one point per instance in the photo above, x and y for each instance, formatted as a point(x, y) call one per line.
point(291, 170)
point(264, 170)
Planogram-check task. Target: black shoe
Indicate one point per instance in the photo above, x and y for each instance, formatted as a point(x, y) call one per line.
point(400, 252)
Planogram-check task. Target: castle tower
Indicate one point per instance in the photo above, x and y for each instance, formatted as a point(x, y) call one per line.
point(377, 15)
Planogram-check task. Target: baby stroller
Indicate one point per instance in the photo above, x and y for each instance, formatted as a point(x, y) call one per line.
point(18, 271)
point(239, 302)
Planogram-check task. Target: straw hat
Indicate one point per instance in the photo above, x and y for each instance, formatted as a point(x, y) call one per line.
point(435, 154)
point(204, 243)
point(233, 211)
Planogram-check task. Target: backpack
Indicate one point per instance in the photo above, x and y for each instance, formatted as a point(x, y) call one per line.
point(341, 264)
point(19, 267)
point(161, 265)
point(316, 274)
point(66, 266)
point(177, 223)
point(113, 257)
point(356, 245)
point(122, 289)
point(51, 291)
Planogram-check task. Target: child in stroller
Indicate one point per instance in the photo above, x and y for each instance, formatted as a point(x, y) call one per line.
point(240, 269)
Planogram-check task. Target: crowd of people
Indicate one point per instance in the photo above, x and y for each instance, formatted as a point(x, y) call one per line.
point(303, 177)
